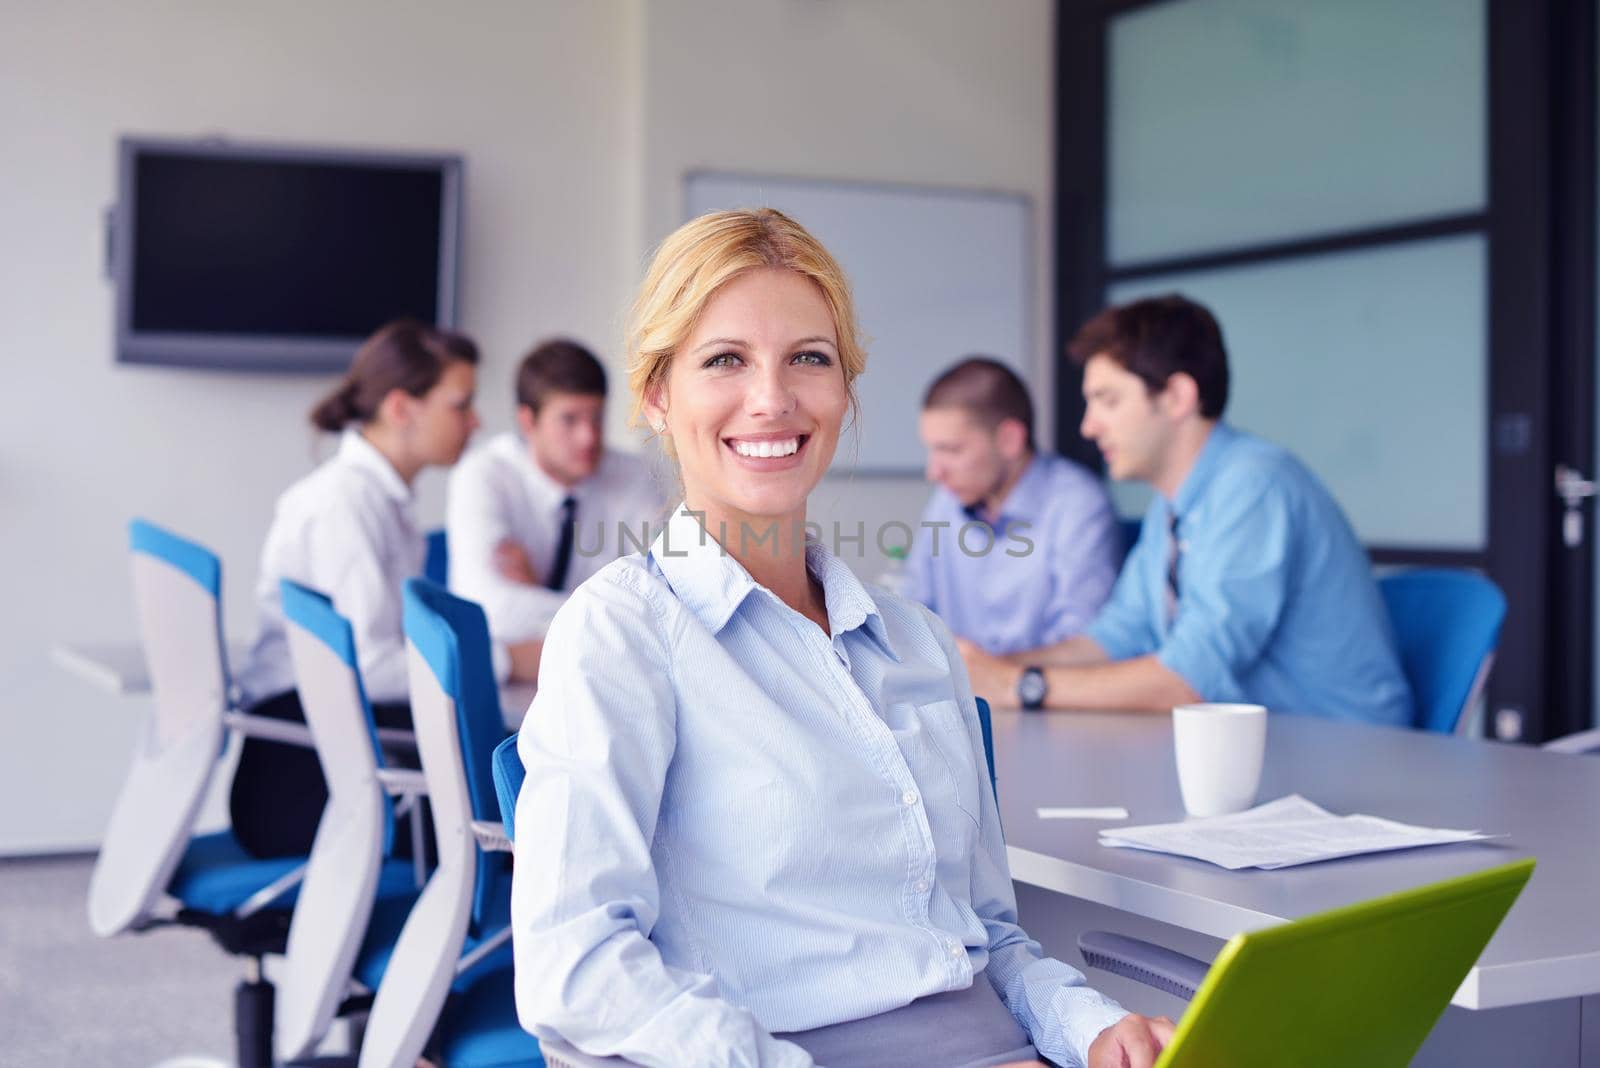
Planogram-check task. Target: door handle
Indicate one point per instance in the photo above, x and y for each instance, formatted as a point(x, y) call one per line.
point(1573, 489)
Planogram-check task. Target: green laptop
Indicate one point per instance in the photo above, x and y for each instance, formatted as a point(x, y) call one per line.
point(1361, 985)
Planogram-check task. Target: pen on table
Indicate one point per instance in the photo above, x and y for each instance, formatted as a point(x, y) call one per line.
point(1070, 812)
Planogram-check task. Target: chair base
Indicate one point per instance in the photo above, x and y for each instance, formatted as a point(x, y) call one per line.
point(254, 935)
point(253, 1001)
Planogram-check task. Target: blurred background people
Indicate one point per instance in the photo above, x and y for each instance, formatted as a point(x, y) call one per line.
point(1017, 548)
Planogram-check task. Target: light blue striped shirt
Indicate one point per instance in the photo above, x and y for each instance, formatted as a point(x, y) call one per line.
point(1037, 577)
point(735, 825)
point(1276, 600)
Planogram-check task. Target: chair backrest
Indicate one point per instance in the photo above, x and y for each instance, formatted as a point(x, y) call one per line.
point(354, 834)
point(1361, 985)
point(988, 746)
point(508, 776)
point(1447, 624)
point(176, 590)
point(509, 772)
point(452, 634)
point(436, 564)
point(455, 708)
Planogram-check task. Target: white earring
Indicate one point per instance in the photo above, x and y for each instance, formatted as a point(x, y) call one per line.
point(659, 428)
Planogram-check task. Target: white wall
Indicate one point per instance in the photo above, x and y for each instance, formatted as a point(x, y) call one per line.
point(577, 120)
point(541, 99)
point(943, 92)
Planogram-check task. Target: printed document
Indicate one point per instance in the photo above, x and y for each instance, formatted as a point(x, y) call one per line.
point(1279, 834)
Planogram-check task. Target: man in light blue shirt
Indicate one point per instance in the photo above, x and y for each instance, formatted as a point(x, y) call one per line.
point(1247, 583)
point(1016, 549)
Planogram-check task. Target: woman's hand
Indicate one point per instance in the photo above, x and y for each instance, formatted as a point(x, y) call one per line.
point(1132, 1042)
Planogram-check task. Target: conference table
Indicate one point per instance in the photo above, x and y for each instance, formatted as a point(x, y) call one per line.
point(119, 668)
point(1532, 998)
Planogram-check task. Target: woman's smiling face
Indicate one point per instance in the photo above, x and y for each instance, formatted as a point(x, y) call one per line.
point(754, 400)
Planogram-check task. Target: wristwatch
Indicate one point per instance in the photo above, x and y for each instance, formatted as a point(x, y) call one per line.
point(1031, 688)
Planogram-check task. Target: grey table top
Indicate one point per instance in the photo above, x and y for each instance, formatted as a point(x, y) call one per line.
point(119, 668)
point(1548, 804)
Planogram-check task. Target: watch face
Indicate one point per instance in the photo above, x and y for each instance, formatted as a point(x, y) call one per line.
point(1030, 688)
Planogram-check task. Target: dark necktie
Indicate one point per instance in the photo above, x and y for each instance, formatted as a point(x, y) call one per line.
point(569, 525)
point(1174, 551)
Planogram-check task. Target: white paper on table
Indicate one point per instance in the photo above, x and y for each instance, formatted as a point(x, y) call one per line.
point(1279, 834)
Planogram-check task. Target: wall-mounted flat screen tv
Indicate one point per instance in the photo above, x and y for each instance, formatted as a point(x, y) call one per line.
point(261, 257)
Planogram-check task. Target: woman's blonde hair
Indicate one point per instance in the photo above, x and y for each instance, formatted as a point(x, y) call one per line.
point(705, 254)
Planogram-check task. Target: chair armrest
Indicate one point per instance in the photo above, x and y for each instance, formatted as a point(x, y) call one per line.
point(270, 893)
point(397, 738)
point(557, 1054)
point(1582, 742)
point(1145, 962)
point(275, 730)
point(403, 782)
point(491, 835)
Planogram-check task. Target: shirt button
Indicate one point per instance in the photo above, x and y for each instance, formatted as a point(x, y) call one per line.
point(909, 797)
point(921, 887)
point(955, 949)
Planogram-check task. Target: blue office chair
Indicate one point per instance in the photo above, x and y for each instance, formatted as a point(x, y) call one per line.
point(149, 851)
point(356, 893)
point(436, 565)
point(1447, 624)
point(450, 980)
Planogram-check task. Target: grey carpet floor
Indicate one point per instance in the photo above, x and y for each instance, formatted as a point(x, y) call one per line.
point(71, 1000)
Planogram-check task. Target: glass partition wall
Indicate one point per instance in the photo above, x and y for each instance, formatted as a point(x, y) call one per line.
point(1372, 198)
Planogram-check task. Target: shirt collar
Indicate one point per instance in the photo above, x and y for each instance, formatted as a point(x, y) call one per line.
point(357, 451)
point(1205, 467)
point(1026, 500)
point(546, 491)
point(712, 584)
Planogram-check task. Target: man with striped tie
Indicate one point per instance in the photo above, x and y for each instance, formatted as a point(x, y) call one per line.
point(1247, 582)
point(534, 512)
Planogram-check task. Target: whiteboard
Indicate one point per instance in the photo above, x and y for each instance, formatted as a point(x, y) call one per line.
point(938, 275)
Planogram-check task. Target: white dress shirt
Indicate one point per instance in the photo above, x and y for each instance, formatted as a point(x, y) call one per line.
point(346, 529)
point(735, 823)
point(497, 492)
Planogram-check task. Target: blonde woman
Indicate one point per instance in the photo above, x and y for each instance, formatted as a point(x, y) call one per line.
point(756, 829)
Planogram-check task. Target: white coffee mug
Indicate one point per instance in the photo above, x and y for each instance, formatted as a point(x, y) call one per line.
point(1219, 749)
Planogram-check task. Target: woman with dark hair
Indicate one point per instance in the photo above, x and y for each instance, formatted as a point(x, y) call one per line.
point(347, 529)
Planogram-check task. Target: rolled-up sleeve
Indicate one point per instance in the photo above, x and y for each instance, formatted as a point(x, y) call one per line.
point(354, 545)
point(477, 520)
point(1125, 627)
point(1084, 564)
point(1049, 999)
point(597, 744)
point(1230, 603)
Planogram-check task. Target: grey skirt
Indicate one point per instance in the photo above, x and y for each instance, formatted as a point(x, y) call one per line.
point(968, 1028)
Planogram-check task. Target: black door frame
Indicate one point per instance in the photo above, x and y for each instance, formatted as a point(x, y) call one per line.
point(1540, 222)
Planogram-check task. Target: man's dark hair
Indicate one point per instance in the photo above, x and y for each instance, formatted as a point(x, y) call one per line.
point(1156, 338)
point(987, 390)
point(558, 366)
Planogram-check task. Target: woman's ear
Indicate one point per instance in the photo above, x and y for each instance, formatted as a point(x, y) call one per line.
point(654, 408)
point(397, 409)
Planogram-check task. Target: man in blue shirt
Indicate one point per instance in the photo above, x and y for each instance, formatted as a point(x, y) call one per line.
point(1016, 549)
point(1247, 583)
